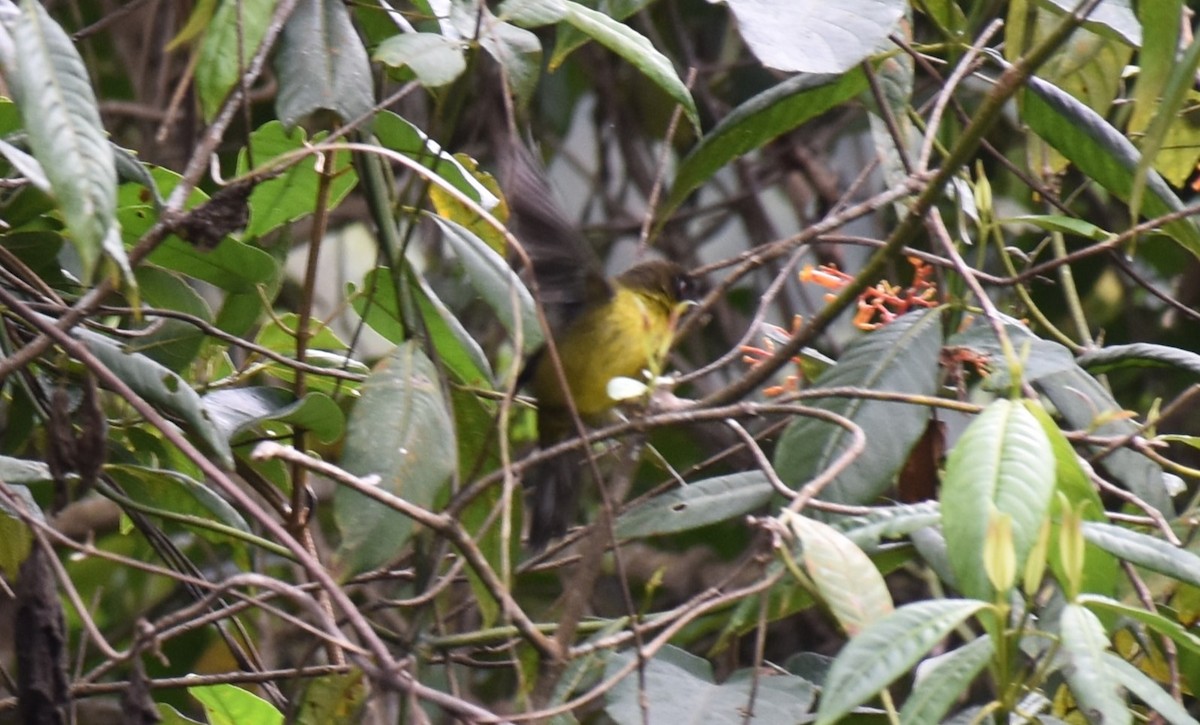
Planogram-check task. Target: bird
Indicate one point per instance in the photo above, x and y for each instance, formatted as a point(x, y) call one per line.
point(601, 329)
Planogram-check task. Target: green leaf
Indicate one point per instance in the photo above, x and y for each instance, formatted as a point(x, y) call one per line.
point(1145, 551)
point(697, 504)
point(19, 470)
point(1148, 691)
point(1112, 17)
point(887, 650)
point(433, 59)
point(496, 282)
point(321, 65)
point(237, 412)
point(233, 37)
point(378, 305)
point(401, 431)
point(16, 540)
point(1102, 153)
point(293, 194)
point(762, 118)
point(398, 134)
point(679, 687)
point(1064, 224)
point(888, 522)
point(1002, 463)
point(901, 357)
point(567, 39)
point(518, 50)
point(1153, 620)
point(174, 343)
point(231, 705)
point(619, 38)
point(1088, 672)
point(942, 680)
point(845, 578)
point(1083, 402)
point(51, 86)
point(1100, 568)
point(335, 699)
point(1139, 355)
point(814, 37)
point(173, 492)
point(161, 387)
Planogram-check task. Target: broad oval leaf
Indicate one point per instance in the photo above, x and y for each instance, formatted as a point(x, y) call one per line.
point(238, 411)
point(322, 65)
point(231, 705)
point(1094, 684)
point(697, 504)
point(845, 577)
point(902, 358)
point(886, 650)
point(1138, 355)
point(401, 431)
point(814, 36)
point(1003, 462)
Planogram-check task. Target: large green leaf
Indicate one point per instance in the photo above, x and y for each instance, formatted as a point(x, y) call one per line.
point(759, 120)
point(173, 493)
point(887, 650)
point(1090, 676)
point(1085, 404)
point(679, 688)
point(161, 387)
point(293, 194)
point(401, 431)
point(617, 37)
point(237, 412)
point(1102, 153)
point(322, 65)
point(902, 358)
point(1003, 463)
point(433, 59)
point(234, 34)
point(231, 705)
point(50, 84)
point(496, 282)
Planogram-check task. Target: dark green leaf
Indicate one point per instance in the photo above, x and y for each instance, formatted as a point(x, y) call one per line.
point(1102, 153)
point(322, 65)
point(238, 411)
point(901, 357)
point(1139, 355)
point(759, 120)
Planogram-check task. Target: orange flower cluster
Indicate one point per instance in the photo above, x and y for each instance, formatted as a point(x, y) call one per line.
point(879, 305)
point(753, 356)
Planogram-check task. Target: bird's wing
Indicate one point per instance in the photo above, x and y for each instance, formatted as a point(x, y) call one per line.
point(567, 271)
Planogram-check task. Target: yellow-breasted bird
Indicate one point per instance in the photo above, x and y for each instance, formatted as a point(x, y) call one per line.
point(602, 329)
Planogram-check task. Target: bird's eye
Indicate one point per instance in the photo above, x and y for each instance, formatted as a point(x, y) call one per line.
point(685, 289)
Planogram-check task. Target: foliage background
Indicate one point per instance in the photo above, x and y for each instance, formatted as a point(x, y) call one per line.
point(260, 348)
